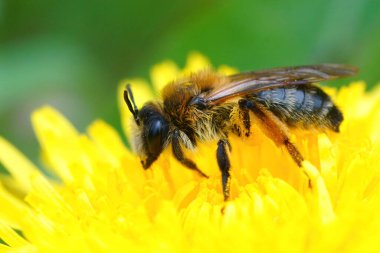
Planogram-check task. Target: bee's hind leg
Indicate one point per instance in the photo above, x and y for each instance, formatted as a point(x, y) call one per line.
point(178, 154)
point(276, 130)
point(224, 166)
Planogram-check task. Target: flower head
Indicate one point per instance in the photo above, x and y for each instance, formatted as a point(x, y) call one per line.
point(101, 200)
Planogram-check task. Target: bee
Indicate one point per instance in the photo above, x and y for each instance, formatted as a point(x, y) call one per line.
point(207, 106)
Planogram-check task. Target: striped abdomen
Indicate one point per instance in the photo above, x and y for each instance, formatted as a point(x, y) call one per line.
point(301, 106)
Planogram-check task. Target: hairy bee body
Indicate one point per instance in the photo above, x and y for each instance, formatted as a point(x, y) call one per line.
point(198, 124)
point(206, 106)
point(297, 106)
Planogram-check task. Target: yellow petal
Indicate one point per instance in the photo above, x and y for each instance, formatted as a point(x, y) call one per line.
point(109, 142)
point(195, 62)
point(163, 73)
point(11, 237)
point(17, 164)
point(12, 209)
point(57, 138)
point(321, 196)
point(227, 70)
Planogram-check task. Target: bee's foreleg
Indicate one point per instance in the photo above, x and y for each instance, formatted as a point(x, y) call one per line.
point(178, 154)
point(275, 129)
point(224, 166)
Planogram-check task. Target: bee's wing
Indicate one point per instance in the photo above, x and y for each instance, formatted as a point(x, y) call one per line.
point(251, 82)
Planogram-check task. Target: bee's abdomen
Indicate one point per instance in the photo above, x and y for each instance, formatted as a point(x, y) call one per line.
point(301, 106)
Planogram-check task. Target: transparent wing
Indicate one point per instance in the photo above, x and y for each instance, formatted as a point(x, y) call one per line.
point(255, 81)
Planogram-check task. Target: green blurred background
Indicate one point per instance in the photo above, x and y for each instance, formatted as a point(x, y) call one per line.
point(72, 54)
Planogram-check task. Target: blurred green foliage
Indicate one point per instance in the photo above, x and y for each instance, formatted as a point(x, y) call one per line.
point(72, 54)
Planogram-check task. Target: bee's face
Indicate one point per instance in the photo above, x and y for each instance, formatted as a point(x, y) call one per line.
point(151, 134)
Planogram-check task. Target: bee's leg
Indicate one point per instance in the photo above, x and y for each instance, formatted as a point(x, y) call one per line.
point(275, 129)
point(244, 116)
point(224, 166)
point(178, 154)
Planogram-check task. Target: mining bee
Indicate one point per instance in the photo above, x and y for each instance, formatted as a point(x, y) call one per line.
point(206, 106)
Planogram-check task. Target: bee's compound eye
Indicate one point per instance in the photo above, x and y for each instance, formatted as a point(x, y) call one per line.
point(155, 136)
point(154, 133)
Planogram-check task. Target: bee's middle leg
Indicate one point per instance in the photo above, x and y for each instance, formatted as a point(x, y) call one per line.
point(224, 166)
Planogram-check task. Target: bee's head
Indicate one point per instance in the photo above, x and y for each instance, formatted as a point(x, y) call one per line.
point(152, 129)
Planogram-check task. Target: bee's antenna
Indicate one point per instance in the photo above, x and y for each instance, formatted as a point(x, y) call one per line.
point(128, 97)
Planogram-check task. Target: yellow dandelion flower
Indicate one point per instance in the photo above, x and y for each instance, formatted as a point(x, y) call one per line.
point(103, 201)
